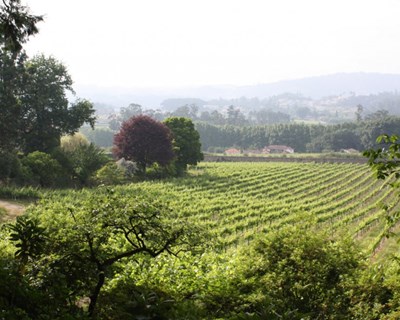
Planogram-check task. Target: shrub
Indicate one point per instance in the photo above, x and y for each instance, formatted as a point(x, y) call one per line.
point(72, 142)
point(39, 168)
point(292, 273)
point(83, 161)
point(110, 174)
point(156, 171)
point(302, 274)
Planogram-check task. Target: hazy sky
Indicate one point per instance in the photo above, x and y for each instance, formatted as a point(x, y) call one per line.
point(150, 43)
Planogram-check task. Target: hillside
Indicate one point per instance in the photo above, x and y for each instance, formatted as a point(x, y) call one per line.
point(313, 87)
point(328, 85)
point(299, 235)
point(237, 201)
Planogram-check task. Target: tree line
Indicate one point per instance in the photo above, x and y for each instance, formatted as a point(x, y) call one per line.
point(301, 137)
point(221, 130)
point(297, 106)
point(231, 115)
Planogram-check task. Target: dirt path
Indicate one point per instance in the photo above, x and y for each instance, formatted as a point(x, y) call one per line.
point(13, 209)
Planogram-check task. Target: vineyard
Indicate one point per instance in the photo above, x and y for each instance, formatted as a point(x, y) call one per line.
point(232, 240)
point(236, 201)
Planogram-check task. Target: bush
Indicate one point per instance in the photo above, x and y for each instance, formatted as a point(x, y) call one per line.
point(155, 171)
point(83, 161)
point(110, 174)
point(129, 301)
point(302, 274)
point(39, 168)
point(292, 273)
point(72, 142)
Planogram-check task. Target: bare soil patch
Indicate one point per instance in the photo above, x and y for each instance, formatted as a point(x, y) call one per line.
point(13, 210)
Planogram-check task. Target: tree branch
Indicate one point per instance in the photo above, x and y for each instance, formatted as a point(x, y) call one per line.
point(6, 5)
point(110, 261)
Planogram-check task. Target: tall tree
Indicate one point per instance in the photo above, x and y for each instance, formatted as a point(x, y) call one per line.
point(187, 111)
point(16, 26)
point(235, 116)
point(186, 142)
point(359, 112)
point(11, 74)
point(46, 111)
point(125, 114)
point(145, 141)
point(130, 111)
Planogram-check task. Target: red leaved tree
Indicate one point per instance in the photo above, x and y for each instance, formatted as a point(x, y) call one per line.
point(145, 141)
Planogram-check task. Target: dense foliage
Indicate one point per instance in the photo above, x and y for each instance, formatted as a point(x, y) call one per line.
point(80, 159)
point(67, 247)
point(303, 274)
point(34, 109)
point(145, 141)
point(301, 137)
point(384, 161)
point(39, 168)
point(17, 24)
point(10, 91)
point(47, 114)
point(186, 142)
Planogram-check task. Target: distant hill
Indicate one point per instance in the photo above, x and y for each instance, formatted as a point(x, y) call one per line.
point(335, 84)
point(314, 87)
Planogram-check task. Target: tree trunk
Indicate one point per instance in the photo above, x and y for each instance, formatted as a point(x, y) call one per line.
point(96, 291)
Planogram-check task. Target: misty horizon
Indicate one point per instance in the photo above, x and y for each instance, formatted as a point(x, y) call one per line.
point(158, 44)
point(313, 87)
